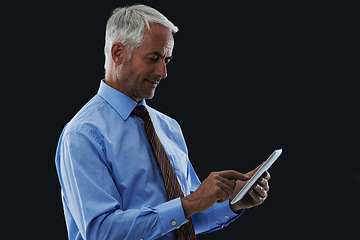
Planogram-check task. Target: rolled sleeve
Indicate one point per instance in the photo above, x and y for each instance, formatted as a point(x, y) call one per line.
point(171, 215)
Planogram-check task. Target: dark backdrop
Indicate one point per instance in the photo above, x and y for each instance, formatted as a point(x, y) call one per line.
point(263, 77)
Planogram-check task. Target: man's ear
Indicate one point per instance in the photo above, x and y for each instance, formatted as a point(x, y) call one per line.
point(118, 53)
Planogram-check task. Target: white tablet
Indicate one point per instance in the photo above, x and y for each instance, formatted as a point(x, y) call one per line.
point(256, 176)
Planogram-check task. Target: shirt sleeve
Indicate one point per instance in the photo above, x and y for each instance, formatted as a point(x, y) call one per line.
point(217, 217)
point(93, 200)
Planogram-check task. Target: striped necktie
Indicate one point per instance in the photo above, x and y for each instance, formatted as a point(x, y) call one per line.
point(172, 186)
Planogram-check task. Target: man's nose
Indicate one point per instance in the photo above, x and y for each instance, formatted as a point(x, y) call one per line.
point(161, 70)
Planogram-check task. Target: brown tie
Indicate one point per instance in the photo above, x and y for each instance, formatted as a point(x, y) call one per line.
point(172, 186)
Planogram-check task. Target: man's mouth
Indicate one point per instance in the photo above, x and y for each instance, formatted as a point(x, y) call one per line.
point(153, 83)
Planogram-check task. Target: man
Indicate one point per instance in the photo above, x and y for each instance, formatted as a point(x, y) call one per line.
point(115, 174)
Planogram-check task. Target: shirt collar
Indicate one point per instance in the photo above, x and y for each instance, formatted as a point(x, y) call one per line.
point(123, 104)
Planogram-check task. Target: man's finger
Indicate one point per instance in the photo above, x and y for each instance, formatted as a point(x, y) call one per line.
point(223, 180)
point(263, 183)
point(260, 190)
point(266, 175)
point(256, 197)
point(233, 175)
point(227, 191)
point(230, 183)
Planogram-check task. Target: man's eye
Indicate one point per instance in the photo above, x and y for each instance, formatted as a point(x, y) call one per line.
point(154, 59)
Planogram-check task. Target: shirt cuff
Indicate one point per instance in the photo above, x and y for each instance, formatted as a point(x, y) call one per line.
point(171, 215)
point(224, 213)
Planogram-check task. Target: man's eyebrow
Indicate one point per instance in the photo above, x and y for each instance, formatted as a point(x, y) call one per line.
point(159, 54)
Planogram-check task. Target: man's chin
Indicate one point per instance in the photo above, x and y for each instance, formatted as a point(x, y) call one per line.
point(149, 94)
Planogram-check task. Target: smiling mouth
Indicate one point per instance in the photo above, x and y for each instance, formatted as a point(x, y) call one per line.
point(154, 83)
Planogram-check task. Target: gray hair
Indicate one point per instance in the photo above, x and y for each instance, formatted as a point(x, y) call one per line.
point(127, 26)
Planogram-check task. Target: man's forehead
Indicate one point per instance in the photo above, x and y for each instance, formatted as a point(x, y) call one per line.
point(159, 39)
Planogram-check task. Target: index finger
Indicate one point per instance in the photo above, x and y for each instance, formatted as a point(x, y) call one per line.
point(233, 175)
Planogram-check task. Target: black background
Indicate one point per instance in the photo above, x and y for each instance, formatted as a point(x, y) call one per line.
point(261, 77)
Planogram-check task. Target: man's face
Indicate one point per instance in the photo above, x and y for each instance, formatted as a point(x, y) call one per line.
point(141, 75)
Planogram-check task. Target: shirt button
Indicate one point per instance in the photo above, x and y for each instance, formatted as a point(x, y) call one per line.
point(141, 239)
point(173, 223)
point(227, 216)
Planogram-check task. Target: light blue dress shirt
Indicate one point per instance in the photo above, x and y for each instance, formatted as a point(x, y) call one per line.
point(110, 182)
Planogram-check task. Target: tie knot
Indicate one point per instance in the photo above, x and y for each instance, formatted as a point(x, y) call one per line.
point(140, 111)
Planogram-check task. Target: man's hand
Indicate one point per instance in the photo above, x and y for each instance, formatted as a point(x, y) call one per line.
point(257, 193)
point(217, 187)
